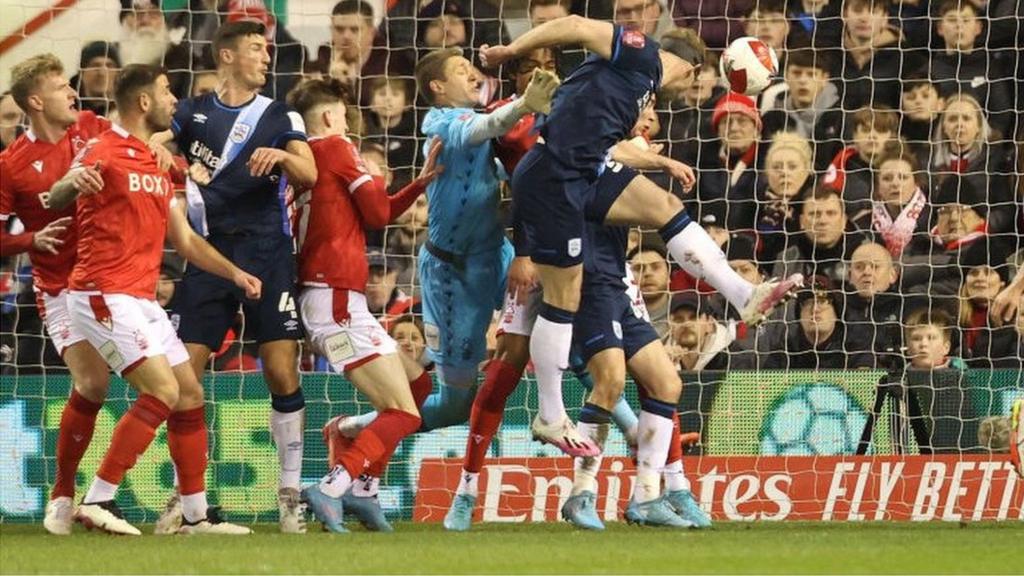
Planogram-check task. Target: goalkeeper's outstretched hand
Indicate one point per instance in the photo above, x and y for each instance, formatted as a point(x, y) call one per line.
point(537, 96)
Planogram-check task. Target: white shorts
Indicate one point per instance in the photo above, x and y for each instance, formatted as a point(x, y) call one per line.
point(53, 311)
point(341, 328)
point(519, 318)
point(124, 329)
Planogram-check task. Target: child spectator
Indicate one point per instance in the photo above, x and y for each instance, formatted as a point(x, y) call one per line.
point(920, 107)
point(871, 60)
point(788, 175)
point(391, 123)
point(807, 103)
point(929, 338)
point(767, 21)
point(850, 170)
point(408, 332)
point(963, 67)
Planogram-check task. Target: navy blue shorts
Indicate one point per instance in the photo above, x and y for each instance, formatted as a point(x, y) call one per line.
point(554, 204)
point(606, 319)
point(208, 304)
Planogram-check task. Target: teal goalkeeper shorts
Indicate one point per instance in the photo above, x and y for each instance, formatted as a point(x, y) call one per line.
point(459, 296)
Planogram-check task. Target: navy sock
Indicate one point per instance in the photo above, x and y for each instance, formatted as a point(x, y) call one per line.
point(675, 225)
point(555, 314)
point(291, 403)
point(594, 414)
point(657, 407)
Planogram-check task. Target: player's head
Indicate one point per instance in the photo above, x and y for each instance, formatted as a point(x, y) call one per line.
point(143, 92)
point(639, 15)
point(520, 70)
point(929, 338)
point(321, 102)
point(682, 55)
point(42, 92)
point(872, 270)
point(240, 50)
point(446, 78)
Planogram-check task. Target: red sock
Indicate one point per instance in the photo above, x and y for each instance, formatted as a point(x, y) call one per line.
point(421, 388)
point(675, 446)
point(377, 440)
point(500, 380)
point(77, 423)
point(132, 435)
point(186, 439)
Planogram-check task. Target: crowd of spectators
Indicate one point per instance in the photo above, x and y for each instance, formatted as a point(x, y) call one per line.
point(885, 163)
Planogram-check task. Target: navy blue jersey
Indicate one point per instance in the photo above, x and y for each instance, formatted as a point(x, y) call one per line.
point(222, 138)
point(597, 106)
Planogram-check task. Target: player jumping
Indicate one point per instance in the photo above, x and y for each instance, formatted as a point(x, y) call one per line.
point(333, 271)
point(124, 214)
point(253, 147)
point(553, 186)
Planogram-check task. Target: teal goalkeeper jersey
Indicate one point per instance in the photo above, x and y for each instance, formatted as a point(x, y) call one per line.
point(463, 201)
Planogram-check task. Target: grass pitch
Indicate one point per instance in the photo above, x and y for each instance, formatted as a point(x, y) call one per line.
point(764, 548)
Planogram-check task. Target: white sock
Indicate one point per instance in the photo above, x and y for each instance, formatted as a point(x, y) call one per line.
point(366, 486)
point(468, 483)
point(585, 469)
point(655, 435)
point(286, 429)
point(549, 349)
point(193, 506)
point(336, 483)
point(698, 254)
point(99, 491)
point(351, 427)
point(675, 479)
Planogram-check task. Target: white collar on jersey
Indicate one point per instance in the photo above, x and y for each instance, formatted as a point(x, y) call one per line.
point(119, 130)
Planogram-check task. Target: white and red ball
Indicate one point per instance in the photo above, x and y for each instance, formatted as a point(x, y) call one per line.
point(749, 65)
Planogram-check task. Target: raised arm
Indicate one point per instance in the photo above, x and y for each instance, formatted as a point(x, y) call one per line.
point(595, 35)
point(198, 251)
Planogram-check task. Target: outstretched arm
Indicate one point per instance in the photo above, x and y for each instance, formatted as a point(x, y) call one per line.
point(595, 35)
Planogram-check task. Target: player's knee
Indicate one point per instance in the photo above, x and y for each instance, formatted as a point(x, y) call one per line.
point(665, 389)
point(93, 384)
point(166, 392)
point(190, 394)
point(609, 382)
point(281, 379)
point(514, 349)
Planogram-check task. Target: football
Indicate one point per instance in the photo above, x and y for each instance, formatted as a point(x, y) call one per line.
point(749, 65)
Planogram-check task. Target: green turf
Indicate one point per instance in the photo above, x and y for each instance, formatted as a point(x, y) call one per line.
point(538, 548)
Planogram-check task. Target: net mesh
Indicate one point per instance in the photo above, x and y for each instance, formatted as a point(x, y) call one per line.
point(910, 111)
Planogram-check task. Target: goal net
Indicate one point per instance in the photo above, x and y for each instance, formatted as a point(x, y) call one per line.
point(884, 163)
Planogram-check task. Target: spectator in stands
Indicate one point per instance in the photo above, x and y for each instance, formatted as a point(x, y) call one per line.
point(375, 157)
point(718, 23)
point(688, 123)
point(824, 246)
point(391, 122)
point(1007, 304)
point(95, 79)
point(806, 103)
point(870, 62)
point(963, 148)
point(964, 67)
point(359, 52)
point(873, 306)
point(203, 82)
point(541, 11)
point(900, 211)
point(145, 38)
point(980, 286)
point(408, 332)
point(731, 177)
point(920, 107)
point(821, 340)
point(767, 21)
point(699, 341)
point(851, 170)
point(929, 339)
point(788, 176)
point(12, 120)
point(819, 20)
point(651, 271)
point(481, 19)
point(1002, 347)
point(383, 298)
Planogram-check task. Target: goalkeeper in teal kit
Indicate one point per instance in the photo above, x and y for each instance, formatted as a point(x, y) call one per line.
point(463, 263)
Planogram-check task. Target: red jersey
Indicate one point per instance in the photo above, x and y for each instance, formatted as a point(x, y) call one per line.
point(121, 229)
point(511, 147)
point(28, 168)
point(331, 217)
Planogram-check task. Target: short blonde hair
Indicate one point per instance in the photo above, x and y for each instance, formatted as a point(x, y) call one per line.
point(791, 141)
point(26, 75)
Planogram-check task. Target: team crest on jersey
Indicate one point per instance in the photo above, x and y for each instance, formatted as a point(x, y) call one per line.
point(38, 165)
point(239, 132)
point(634, 38)
point(77, 143)
point(141, 341)
point(575, 247)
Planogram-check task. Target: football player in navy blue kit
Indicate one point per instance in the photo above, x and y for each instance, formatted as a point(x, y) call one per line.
point(252, 148)
point(554, 185)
